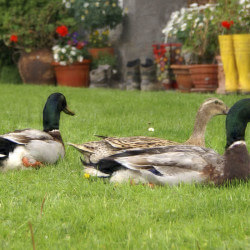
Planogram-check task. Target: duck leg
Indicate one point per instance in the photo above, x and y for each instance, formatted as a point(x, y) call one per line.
point(27, 163)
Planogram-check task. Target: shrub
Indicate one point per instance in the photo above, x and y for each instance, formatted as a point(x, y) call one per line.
point(28, 25)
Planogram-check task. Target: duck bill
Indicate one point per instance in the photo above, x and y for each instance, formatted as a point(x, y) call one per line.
point(226, 110)
point(67, 111)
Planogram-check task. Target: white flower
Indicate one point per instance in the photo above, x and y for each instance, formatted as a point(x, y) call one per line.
point(183, 10)
point(114, 71)
point(183, 26)
point(80, 58)
point(196, 20)
point(151, 129)
point(86, 5)
point(97, 4)
point(72, 52)
point(63, 50)
point(67, 5)
point(63, 63)
point(201, 25)
point(174, 15)
point(193, 5)
point(189, 16)
point(56, 57)
point(103, 12)
point(56, 48)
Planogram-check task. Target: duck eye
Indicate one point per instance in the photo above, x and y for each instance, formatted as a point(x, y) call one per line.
point(216, 102)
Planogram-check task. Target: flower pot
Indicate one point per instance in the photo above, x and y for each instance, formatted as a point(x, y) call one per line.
point(229, 63)
point(183, 77)
point(204, 77)
point(74, 75)
point(36, 68)
point(242, 56)
point(96, 52)
point(221, 77)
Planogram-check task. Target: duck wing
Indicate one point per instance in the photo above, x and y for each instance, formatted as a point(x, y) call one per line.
point(167, 164)
point(24, 136)
point(137, 142)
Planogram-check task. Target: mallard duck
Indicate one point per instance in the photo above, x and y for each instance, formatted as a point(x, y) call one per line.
point(183, 163)
point(31, 147)
point(96, 150)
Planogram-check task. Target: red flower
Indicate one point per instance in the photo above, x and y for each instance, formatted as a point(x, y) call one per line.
point(14, 38)
point(62, 30)
point(80, 45)
point(227, 24)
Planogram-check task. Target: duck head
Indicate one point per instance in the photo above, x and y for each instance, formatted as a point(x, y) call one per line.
point(237, 120)
point(56, 103)
point(214, 106)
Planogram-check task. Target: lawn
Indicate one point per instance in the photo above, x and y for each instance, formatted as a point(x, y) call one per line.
point(67, 211)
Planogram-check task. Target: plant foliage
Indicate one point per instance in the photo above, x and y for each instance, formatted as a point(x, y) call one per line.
point(31, 24)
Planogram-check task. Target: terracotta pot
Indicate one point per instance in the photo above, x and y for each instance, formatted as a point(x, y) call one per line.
point(183, 77)
point(95, 52)
point(205, 77)
point(74, 75)
point(35, 67)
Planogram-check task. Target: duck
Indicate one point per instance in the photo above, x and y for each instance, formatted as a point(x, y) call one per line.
point(95, 150)
point(32, 148)
point(175, 164)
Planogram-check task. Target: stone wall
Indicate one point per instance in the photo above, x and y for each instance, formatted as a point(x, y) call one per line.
point(142, 27)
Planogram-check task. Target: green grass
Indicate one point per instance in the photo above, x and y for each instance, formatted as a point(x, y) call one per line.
point(91, 214)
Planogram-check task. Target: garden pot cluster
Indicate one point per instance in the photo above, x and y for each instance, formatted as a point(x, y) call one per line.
point(196, 78)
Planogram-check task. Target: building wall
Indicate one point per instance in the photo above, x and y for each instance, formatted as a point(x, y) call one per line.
point(142, 27)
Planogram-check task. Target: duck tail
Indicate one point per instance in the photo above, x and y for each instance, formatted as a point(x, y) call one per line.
point(81, 148)
point(237, 162)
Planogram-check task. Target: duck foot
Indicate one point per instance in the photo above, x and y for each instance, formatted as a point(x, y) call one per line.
point(27, 164)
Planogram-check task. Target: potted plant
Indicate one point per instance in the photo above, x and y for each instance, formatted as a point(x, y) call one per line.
point(97, 18)
point(29, 28)
point(194, 27)
point(71, 59)
point(166, 55)
point(99, 44)
point(234, 26)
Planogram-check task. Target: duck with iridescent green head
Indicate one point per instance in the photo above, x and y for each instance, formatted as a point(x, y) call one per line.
point(31, 148)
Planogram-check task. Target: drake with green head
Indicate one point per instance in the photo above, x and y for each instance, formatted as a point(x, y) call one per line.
point(183, 163)
point(31, 147)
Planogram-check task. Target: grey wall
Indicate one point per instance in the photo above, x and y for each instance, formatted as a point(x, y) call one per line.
point(142, 27)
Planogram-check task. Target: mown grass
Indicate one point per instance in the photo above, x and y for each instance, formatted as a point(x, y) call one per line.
point(80, 213)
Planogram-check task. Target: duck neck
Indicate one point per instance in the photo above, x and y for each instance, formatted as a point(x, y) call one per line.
point(237, 161)
point(51, 117)
point(198, 135)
